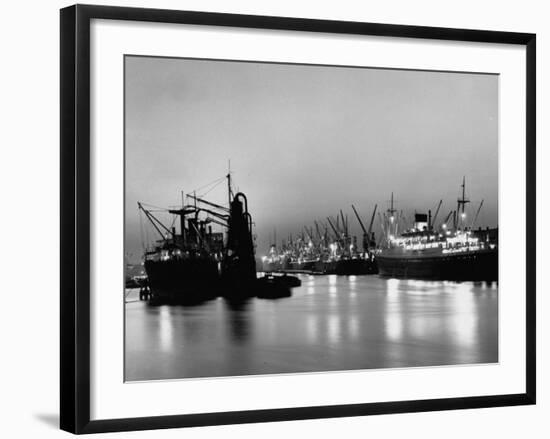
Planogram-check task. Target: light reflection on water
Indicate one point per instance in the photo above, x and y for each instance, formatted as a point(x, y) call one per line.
point(165, 329)
point(330, 323)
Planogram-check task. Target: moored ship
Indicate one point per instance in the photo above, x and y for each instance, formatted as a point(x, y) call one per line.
point(448, 253)
point(323, 252)
point(184, 266)
point(198, 264)
point(425, 256)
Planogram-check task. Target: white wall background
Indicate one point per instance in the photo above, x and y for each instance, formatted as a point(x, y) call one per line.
point(29, 184)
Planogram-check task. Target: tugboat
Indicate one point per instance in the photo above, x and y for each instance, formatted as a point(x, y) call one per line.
point(460, 254)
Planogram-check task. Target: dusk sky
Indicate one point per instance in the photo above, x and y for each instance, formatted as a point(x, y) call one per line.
point(305, 141)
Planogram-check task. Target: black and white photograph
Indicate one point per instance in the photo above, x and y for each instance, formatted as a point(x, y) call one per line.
point(294, 218)
point(275, 219)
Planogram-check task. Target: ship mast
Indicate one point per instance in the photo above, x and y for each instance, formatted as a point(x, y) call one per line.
point(392, 226)
point(392, 210)
point(461, 202)
point(229, 191)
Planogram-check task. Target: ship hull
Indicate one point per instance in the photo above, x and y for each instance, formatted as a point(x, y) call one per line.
point(349, 267)
point(183, 280)
point(479, 265)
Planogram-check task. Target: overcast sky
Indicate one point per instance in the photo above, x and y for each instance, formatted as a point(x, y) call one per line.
point(306, 141)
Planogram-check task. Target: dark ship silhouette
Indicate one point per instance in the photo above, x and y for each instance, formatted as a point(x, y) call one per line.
point(198, 264)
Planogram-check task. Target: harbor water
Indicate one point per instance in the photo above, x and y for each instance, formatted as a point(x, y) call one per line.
point(330, 323)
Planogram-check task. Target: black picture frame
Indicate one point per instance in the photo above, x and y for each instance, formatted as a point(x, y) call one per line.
point(75, 217)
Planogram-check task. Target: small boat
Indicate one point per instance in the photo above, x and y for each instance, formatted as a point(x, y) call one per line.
point(275, 287)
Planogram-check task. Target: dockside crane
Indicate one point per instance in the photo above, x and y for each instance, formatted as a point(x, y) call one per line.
point(435, 215)
point(369, 231)
point(318, 230)
point(334, 229)
point(477, 214)
point(344, 224)
point(444, 224)
point(308, 235)
point(155, 222)
point(365, 233)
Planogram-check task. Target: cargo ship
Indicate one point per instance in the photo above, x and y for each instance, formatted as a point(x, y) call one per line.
point(196, 264)
point(185, 264)
point(322, 252)
point(456, 252)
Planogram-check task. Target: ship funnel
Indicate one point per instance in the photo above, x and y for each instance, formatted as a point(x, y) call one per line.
point(420, 221)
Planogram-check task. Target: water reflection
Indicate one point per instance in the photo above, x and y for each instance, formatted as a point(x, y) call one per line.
point(165, 328)
point(312, 329)
point(238, 323)
point(393, 321)
point(353, 326)
point(333, 329)
point(330, 323)
point(464, 321)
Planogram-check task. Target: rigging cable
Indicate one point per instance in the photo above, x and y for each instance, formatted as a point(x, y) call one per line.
point(212, 188)
point(141, 234)
point(209, 184)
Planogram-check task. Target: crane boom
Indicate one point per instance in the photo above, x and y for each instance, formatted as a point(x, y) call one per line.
point(336, 234)
point(154, 221)
point(318, 231)
point(359, 218)
point(344, 224)
point(447, 218)
point(437, 211)
point(372, 220)
point(211, 212)
point(477, 213)
point(215, 221)
point(200, 200)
